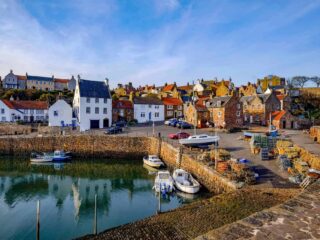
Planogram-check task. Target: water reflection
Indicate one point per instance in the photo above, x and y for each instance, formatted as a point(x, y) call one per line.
point(67, 191)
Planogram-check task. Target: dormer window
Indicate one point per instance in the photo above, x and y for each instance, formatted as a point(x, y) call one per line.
point(97, 100)
point(88, 100)
point(218, 103)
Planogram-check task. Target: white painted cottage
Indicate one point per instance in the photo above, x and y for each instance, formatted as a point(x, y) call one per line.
point(148, 109)
point(92, 104)
point(26, 111)
point(60, 114)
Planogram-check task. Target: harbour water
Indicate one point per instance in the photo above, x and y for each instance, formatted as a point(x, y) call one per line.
point(67, 192)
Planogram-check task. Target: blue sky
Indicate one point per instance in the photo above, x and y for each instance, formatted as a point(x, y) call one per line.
point(158, 41)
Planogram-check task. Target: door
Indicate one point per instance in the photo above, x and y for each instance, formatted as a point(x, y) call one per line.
point(251, 119)
point(292, 125)
point(31, 118)
point(94, 124)
point(284, 124)
point(105, 122)
point(150, 116)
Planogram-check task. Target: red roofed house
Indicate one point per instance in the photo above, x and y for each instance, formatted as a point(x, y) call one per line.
point(285, 120)
point(170, 90)
point(60, 84)
point(27, 111)
point(122, 110)
point(173, 107)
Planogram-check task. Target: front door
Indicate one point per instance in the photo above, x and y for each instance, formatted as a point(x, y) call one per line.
point(105, 122)
point(150, 116)
point(94, 124)
point(284, 124)
point(31, 118)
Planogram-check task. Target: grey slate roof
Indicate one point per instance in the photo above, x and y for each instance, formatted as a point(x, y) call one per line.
point(147, 100)
point(38, 78)
point(216, 100)
point(248, 99)
point(93, 89)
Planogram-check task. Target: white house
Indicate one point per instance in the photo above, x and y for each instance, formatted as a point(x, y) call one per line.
point(92, 104)
point(148, 109)
point(27, 111)
point(60, 114)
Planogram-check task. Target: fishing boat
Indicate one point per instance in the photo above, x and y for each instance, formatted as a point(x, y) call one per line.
point(200, 140)
point(153, 161)
point(164, 182)
point(185, 182)
point(60, 155)
point(40, 158)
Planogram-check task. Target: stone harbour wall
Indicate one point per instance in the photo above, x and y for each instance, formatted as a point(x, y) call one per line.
point(84, 146)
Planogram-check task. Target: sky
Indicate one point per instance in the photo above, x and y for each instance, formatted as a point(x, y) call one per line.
point(159, 41)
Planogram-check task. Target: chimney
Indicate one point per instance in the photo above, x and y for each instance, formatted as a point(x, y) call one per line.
point(106, 80)
point(26, 74)
point(11, 71)
point(52, 76)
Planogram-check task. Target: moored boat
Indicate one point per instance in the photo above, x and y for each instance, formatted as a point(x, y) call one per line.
point(199, 140)
point(185, 182)
point(153, 161)
point(40, 158)
point(164, 182)
point(60, 155)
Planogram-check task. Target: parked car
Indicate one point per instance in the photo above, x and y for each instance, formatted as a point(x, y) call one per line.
point(167, 122)
point(173, 122)
point(113, 130)
point(179, 135)
point(178, 124)
point(185, 125)
point(121, 123)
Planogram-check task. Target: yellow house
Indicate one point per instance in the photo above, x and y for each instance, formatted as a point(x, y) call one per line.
point(222, 89)
point(40, 83)
point(272, 81)
point(120, 91)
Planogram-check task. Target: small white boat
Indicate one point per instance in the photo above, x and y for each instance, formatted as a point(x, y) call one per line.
point(40, 158)
point(164, 182)
point(199, 140)
point(153, 161)
point(185, 182)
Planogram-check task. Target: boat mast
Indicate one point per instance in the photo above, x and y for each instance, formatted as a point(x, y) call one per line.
point(195, 111)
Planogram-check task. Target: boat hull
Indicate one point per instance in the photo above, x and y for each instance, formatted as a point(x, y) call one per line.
point(153, 164)
point(61, 159)
point(187, 189)
point(40, 160)
point(198, 144)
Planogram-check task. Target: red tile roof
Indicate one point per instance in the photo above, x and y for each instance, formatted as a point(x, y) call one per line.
point(277, 115)
point(60, 80)
point(172, 101)
point(201, 108)
point(20, 77)
point(201, 100)
point(168, 88)
point(26, 104)
point(122, 104)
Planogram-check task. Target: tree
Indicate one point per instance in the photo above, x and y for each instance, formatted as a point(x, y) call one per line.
point(299, 81)
point(316, 80)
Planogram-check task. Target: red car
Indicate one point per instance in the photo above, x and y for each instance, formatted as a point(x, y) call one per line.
point(179, 135)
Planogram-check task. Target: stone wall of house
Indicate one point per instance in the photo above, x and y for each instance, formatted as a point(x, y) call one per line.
point(175, 157)
point(14, 129)
point(315, 133)
point(84, 146)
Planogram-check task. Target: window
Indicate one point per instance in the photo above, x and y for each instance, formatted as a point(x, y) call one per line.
point(179, 107)
point(219, 114)
point(105, 100)
point(105, 110)
point(150, 105)
point(31, 111)
point(87, 109)
point(156, 114)
point(3, 119)
point(238, 106)
point(97, 100)
point(96, 110)
point(179, 113)
point(2, 110)
point(55, 113)
point(25, 118)
point(169, 107)
point(238, 113)
point(169, 113)
point(143, 115)
point(88, 100)
point(156, 107)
